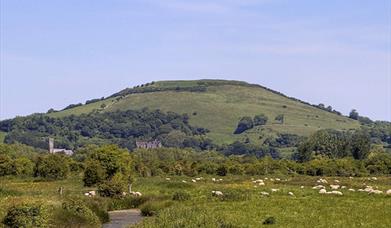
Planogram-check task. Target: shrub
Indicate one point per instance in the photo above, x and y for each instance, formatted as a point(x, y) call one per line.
point(5, 165)
point(113, 187)
point(52, 166)
point(269, 221)
point(23, 167)
point(244, 124)
point(93, 173)
point(181, 196)
point(76, 213)
point(260, 120)
point(26, 215)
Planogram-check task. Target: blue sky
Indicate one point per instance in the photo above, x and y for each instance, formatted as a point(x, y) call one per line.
point(54, 53)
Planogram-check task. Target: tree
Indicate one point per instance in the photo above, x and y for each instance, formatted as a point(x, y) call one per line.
point(244, 124)
point(353, 114)
point(260, 119)
point(93, 173)
point(360, 145)
point(52, 166)
point(108, 161)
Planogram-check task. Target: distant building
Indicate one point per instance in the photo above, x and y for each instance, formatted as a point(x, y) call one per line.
point(53, 150)
point(148, 144)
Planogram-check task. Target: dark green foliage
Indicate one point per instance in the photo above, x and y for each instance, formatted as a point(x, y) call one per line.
point(239, 148)
point(280, 118)
point(76, 213)
point(260, 120)
point(114, 187)
point(222, 170)
point(360, 145)
point(181, 196)
point(244, 124)
point(353, 114)
point(269, 221)
point(26, 215)
point(93, 173)
point(52, 166)
point(121, 127)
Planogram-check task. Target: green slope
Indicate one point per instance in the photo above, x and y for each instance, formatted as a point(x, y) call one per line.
point(220, 105)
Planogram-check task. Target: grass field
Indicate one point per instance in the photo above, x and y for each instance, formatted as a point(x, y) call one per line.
point(243, 205)
point(222, 105)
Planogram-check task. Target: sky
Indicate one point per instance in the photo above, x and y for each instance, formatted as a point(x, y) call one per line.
point(54, 52)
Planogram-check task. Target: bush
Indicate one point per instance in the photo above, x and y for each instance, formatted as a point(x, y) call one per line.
point(76, 213)
point(113, 187)
point(26, 215)
point(93, 173)
point(244, 124)
point(181, 196)
point(52, 166)
point(269, 221)
point(260, 120)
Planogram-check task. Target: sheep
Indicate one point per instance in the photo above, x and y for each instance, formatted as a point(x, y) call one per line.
point(336, 181)
point(318, 187)
point(375, 192)
point(291, 194)
point(265, 193)
point(167, 178)
point(337, 193)
point(136, 194)
point(388, 192)
point(198, 179)
point(217, 193)
point(258, 181)
point(334, 187)
point(302, 187)
point(343, 187)
point(261, 184)
point(278, 179)
point(352, 190)
point(184, 181)
point(350, 178)
point(90, 193)
point(214, 179)
point(322, 191)
point(194, 181)
point(123, 194)
point(220, 179)
point(324, 181)
point(275, 189)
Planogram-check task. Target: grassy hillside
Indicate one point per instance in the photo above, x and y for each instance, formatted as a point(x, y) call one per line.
point(219, 105)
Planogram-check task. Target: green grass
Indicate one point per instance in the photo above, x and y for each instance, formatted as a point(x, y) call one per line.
point(223, 104)
point(2, 136)
point(244, 206)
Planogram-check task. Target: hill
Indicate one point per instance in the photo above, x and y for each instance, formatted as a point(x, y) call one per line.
point(218, 105)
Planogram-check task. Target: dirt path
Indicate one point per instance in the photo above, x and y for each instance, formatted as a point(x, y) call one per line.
point(123, 218)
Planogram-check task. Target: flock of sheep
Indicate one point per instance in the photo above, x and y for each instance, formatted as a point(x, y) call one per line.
point(261, 182)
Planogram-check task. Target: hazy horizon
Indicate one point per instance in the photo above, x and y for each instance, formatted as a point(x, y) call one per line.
point(56, 53)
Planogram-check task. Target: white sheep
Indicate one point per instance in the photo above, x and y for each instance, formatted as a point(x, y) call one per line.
point(352, 190)
point(198, 179)
point(337, 193)
point(183, 181)
point(261, 184)
point(388, 192)
point(278, 179)
point(302, 187)
point(217, 193)
point(275, 189)
point(323, 181)
point(336, 181)
point(136, 194)
point(194, 181)
point(375, 192)
point(318, 187)
point(214, 179)
point(265, 193)
point(334, 186)
point(167, 178)
point(343, 187)
point(291, 194)
point(322, 191)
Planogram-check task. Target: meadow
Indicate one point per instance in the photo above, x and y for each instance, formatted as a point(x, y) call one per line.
point(176, 201)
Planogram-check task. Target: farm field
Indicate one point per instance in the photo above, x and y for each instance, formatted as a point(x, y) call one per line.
point(242, 204)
